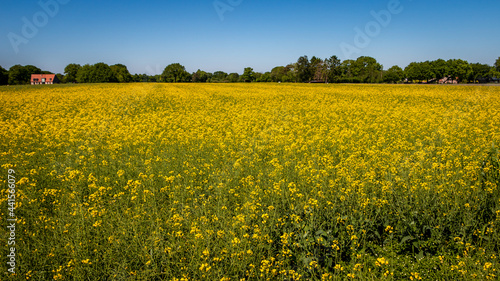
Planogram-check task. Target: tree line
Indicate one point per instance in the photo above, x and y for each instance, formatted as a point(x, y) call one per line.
point(330, 70)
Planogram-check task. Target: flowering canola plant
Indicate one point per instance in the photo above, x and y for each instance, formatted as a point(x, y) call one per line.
point(252, 181)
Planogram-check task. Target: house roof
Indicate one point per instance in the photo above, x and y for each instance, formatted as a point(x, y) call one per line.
point(40, 76)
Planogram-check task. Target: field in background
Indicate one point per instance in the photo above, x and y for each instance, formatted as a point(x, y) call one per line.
point(252, 182)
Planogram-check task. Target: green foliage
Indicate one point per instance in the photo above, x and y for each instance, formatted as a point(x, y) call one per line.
point(84, 74)
point(121, 73)
point(248, 75)
point(31, 69)
point(60, 77)
point(233, 77)
point(416, 71)
point(284, 73)
point(394, 74)
point(4, 76)
point(317, 69)
point(332, 69)
point(21, 75)
point(140, 78)
point(71, 71)
point(304, 69)
point(426, 71)
point(200, 76)
point(455, 69)
point(370, 71)
point(218, 77)
point(291, 74)
point(480, 72)
point(439, 69)
point(263, 77)
point(104, 73)
point(348, 71)
point(97, 73)
point(459, 69)
point(278, 73)
point(361, 70)
point(175, 73)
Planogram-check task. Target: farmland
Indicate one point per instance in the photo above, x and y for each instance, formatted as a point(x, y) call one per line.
point(252, 182)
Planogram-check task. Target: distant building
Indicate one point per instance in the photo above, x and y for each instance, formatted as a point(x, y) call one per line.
point(40, 79)
point(448, 80)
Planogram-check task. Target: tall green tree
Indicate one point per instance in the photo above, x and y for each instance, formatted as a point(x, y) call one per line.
point(264, 77)
point(60, 77)
point(233, 77)
point(199, 76)
point(426, 68)
point(459, 69)
point(494, 74)
point(19, 75)
point(4, 76)
point(257, 76)
point(281, 74)
point(248, 75)
point(304, 70)
point(219, 76)
point(31, 69)
point(140, 78)
point(97, 73)
point(317, 68)
point(414, 72)
point(103, 73)
point(394, 74)
point(370, 71)
point(84, 74)
point(121, 73)
point(71, 70)
point(154, 78)
point(479, 73)
point(332, 69)
point(497, 64)
point(439, 69)
point(291, 73)
point(349, 71)
point(175, 72)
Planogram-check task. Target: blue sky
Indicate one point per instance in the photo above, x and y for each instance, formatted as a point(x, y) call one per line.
point(146, 36)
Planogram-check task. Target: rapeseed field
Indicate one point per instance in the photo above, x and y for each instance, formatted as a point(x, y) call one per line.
point(251, 182)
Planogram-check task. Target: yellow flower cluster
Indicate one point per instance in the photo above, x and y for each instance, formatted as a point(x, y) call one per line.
point(245, 182)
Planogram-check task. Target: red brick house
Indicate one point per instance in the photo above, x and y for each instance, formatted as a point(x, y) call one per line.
point(39, 79)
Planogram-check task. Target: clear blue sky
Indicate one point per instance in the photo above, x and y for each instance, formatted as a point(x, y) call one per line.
point(146, 36)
